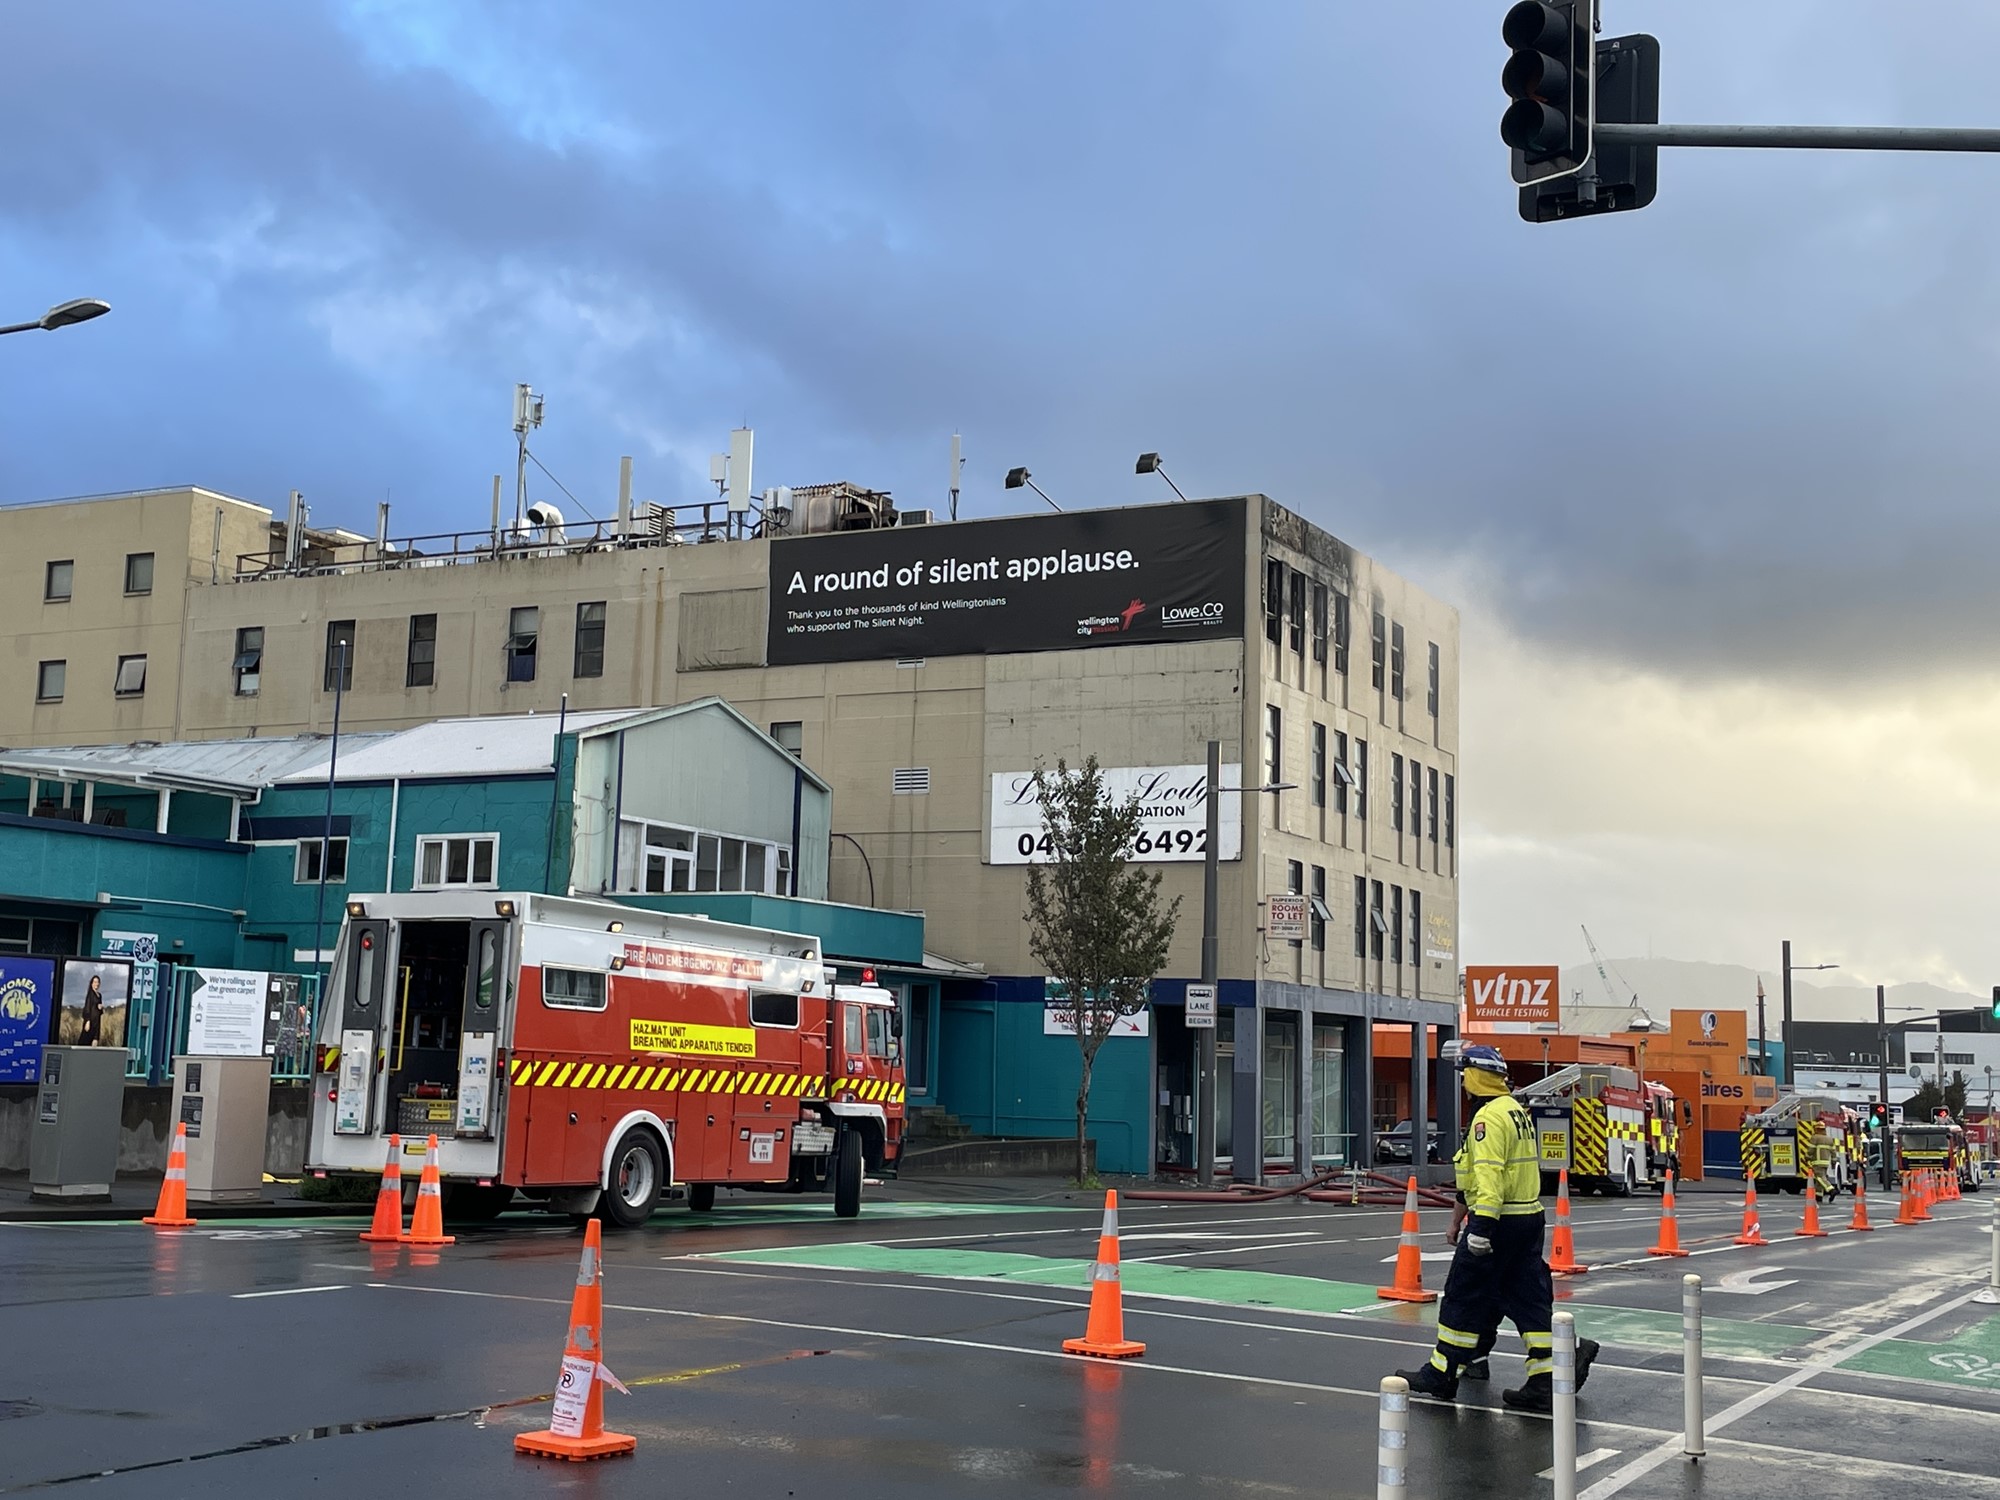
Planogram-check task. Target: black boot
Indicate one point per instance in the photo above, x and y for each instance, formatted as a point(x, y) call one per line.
point(1536, 1394)
point(1586, 1351)
point(1431, 1381)
point(1476, 1369)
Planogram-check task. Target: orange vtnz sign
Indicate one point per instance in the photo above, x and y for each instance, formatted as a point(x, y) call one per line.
point(1513, 999)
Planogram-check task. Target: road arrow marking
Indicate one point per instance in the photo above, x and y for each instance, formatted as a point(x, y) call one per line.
point(1745, 1283)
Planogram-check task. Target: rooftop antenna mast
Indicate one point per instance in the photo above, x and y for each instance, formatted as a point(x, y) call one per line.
point(527, 417)
point(957, 466)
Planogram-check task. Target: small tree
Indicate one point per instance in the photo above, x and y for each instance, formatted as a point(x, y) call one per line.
point(1095, 920)
point(1927, 1100)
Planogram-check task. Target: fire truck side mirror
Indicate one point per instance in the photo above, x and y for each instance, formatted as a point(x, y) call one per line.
point(895, 1023)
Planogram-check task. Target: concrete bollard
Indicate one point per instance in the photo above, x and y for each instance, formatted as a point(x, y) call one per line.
point(1563, 1385)
point(1694, 1437)
point(1392, 1439)
point(1992, 1293)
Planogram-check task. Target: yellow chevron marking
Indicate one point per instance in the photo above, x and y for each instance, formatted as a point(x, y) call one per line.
point(596, 1076)
point(548, 1072)
point(521, 1070)
point(562, 1077)
point(645, 1079)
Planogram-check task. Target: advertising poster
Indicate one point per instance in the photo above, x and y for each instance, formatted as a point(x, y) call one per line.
point(1118, 577)
point(1173, 814)
point(1059, 1016)
point(96, 993)
point(1524, 998)
point(27, 1005)
point(226, 1012)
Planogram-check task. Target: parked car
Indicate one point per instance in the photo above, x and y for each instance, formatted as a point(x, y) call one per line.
point(1394, 1144)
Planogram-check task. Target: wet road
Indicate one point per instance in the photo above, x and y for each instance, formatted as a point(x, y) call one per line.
point(771, 1350)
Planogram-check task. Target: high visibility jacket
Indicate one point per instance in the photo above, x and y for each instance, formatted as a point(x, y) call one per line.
point(1499, 1170)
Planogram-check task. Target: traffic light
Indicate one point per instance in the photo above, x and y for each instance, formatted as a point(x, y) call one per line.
point(1878, 1115)
point(1548, 78)
point(1996, 1002)
point(1625, 91)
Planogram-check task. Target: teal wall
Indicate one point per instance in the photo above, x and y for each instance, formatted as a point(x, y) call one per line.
point(857, 932)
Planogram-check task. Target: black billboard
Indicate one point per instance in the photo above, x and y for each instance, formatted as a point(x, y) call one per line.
point(1026, 583)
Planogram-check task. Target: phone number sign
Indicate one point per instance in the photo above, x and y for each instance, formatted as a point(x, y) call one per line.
point(1173, 814)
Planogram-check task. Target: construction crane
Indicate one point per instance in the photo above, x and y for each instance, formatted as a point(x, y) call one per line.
point(1598, 959)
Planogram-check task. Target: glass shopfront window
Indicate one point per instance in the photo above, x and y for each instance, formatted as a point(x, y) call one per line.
point(1281, 1086)
point(1329, 1095)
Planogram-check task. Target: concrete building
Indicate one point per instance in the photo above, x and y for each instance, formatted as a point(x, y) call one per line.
point(924, 672)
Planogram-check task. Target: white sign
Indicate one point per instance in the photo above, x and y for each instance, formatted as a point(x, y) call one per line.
point(1173, 811)
point(1059, 1016)
point(1285, 918)
point(226, 1013)
point(1200, 1011)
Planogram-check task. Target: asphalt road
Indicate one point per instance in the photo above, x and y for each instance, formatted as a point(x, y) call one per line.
point(773, 1351)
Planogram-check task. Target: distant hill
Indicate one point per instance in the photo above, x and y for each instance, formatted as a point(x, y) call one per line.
point(1666, 984)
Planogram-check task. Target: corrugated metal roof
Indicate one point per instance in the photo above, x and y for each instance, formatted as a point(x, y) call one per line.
point(224, 766)
point(499, 745)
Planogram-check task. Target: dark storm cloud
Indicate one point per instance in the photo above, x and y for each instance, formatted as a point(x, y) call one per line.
point(1276, 242)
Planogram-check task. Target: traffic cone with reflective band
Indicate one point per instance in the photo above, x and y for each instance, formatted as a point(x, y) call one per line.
point(576, 1426)
point(1949, 1177)
point(1923, 1197)
point(1753, 1232)
point(1564, 1262)
point(1859, 1223)
point(427, 1219)
point(1809, 1226)
point(1408, 1285)
point(388, 1226)
point(1670, 1229)
point(172, 1209)
point(1907, 1212)
point(1104, 1334)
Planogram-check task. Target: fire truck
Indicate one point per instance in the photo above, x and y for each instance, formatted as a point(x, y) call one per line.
point(598, 1057)
point(1614, 1131)
point(1801, 1133)
point(1940, 1142)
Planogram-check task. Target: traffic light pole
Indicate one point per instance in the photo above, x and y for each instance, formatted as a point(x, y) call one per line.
point(1882, 1081)
point(1802, 137)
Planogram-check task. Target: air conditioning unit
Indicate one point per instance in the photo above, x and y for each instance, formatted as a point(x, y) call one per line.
point(915, 517)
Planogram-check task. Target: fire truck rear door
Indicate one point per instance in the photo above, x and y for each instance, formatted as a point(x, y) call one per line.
point(486, 971)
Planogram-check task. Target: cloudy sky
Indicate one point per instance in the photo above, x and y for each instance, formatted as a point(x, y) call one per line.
point(1711, 482)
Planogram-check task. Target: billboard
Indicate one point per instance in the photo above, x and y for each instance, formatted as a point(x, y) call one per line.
point(95, 996)
point(27, 1002)
point(1117, 577)
point(1173, 812)
point(1711, 1034)
point(1514, 999)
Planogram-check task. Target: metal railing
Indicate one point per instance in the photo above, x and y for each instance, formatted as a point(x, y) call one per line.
point(156, 1028)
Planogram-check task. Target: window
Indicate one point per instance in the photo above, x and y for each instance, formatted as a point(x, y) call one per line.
point(1395, 924)
point(1319, 766)
point(1341, 628)
point(572, 989)
point(1431, 806)
point(1416, 927)
point(1360, 917)
point(1319, 623)
point(589, 640)
point(1274, 744)
point(878, 1031)
point(131, 679)
point(1431, 693)
point(306, 868)
point(1298, 612)
point(1343, 778)
point(774, 1008)
point(1396, 794)
point(1321, 917)
point(524, 626)
point(339, 674)
point(1361, 780)
point(1376, 926)
point(1416, 800)
point(1274, 601)
point(1378, 645)
point(791, 734)
point(138, 572)
point(1396, 662)
point(1295, 882)
point(910, 781)
point(850, 1031)
point(249, 663)
point(420, 660)
point(58, 580)
point(1451, 812)
point(50, 680)
point(467, 860)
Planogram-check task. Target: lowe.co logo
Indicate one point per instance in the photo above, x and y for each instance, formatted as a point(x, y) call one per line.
point(1192, 614)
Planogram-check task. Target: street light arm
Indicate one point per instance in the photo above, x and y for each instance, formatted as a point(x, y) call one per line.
point(20, 327)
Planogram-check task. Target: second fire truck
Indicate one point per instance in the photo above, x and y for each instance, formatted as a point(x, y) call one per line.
point(1614, 1131)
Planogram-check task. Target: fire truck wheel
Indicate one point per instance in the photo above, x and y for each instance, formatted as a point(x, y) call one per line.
point(635, 1180)
point(847, 1176)
point(701, 1197)
point(1629, 1183)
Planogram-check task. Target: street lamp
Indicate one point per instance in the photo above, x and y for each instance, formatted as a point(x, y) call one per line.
point(63, 314)
point(1785, 1020)
point(1018, 477)
point(1149, 463)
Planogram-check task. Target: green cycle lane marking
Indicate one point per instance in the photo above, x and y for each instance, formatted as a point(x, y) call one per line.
point(1970, 1358)
point(1629, 1327)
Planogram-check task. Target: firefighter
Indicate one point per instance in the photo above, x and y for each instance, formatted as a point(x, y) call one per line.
point(1497, 1268)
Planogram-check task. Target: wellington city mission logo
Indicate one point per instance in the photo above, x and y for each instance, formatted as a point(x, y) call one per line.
point(1172, 616)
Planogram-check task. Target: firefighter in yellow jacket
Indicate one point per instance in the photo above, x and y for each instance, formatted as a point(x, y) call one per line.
point(1497, 1270)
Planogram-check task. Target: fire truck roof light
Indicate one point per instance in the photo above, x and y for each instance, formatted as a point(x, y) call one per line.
point(503, 908)
point(867, 976)
point(357, 909)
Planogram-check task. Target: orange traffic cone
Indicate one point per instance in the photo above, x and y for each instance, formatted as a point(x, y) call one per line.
point(1907, 1213)
point(172, 1210)
point(1859, 1223)
point(1923, 1197)
point(576, 1426)
point(388, 1226)
point(1753, 1232)
point(1104, 1334)
point(1563, 1262)
point(427, 1219)
point(1670, 1229)
point(1809, 1226)
point(1949, 1177)
point(1409, 1283)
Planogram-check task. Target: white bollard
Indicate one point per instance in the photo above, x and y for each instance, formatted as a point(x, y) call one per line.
point(1992, 1293)
point(1563, 1385)
point(1694, 1439)
point(1392, 1439)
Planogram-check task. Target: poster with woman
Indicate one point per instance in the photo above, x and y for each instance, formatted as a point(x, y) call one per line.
point(27, 1001)
point(95, 996)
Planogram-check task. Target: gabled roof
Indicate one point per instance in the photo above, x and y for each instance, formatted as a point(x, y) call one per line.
point(496, 745)
point(635, 718)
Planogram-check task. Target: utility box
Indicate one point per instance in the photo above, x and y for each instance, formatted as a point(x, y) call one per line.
point(225, 1102)
point(79, 1110)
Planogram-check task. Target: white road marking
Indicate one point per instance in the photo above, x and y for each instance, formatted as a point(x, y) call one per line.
point(287, 1291)
point(1282, 1234)
point(1585, 1460)
point(1390, 1260)
point(1745, 1283)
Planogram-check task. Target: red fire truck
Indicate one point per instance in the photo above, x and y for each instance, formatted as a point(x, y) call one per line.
point(596, 1057)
